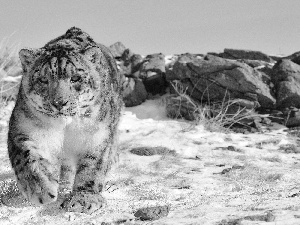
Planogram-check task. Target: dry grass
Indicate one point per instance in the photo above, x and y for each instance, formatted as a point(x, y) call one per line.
point(10, 71)
point(217, 116)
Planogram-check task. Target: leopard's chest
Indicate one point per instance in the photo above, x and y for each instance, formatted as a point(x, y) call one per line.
point(83, 135)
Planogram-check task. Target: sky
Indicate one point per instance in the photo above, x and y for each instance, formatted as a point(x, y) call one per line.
point(152, 26)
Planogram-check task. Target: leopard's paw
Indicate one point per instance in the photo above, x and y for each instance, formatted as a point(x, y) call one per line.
point(83, 202)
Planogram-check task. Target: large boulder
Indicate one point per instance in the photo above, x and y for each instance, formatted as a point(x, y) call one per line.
point(286, 78)
point(266, 73)
point(152, 213)
point(154, 63)
point(245, 54)
point(136, 61)
point(178, 70)
point(295, 57)
point(152, 72)
point(117, 49)
point(134, 92)
point(284, 69)
point(124, 63)
point(129, 63)
point(213, 79)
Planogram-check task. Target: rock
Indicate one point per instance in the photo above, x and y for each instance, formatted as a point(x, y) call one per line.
point(233, 149)
point(276, 116)
point(117, 49)
point(179, 71)
point(286, 78)
point(152, 72)
point(275, 57)
point(245, 54)
point(284, 69)
point(230, 222)
point(268, 217)
point(188, 57)
point(292, 119)
point(126, 56)
point(170, 60)
point(215, 54)
point(155, 84)
point(253, 63)
point(244, 103)
point(124, 70)
point(149, 151)
point(289, 148)
point(152, 213)
point(266, 73)
point(293, 122)
point(288, 94)
point(295, 57)
point(134, 92)
point(155, 64)
point(129, 63)
point(136, 62)
point(257, 125)
point(214, 78)
point(266, 121)
point(114, 219)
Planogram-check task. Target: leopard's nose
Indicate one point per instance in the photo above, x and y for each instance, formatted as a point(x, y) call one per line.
point(59, 103)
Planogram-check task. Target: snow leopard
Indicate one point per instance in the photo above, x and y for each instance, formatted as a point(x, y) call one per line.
point(63, 129)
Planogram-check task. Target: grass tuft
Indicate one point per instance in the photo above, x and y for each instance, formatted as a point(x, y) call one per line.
point(10, 71)
point(217, 116)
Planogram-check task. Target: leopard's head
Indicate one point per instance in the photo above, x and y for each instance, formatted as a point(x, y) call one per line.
point(62, 81)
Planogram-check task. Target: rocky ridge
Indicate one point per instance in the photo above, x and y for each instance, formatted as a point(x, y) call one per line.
point(255, 81)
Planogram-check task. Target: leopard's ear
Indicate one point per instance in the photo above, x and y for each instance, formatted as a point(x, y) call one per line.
point(27, 57)
point(93, 54)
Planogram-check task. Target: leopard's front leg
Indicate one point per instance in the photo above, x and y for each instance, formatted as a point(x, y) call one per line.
point(37, 173)
point(89, 181)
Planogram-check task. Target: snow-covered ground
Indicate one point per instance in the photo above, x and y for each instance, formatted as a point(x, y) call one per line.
point(213, 178)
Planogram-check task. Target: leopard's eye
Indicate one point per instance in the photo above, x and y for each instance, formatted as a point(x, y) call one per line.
point(43, 80)
point(75, 78)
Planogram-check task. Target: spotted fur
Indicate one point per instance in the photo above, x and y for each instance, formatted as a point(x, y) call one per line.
point(63, 128)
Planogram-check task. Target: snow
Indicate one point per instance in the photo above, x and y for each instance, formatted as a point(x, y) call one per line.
point(190, 182)
point(12, 79)
point(170, 59)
